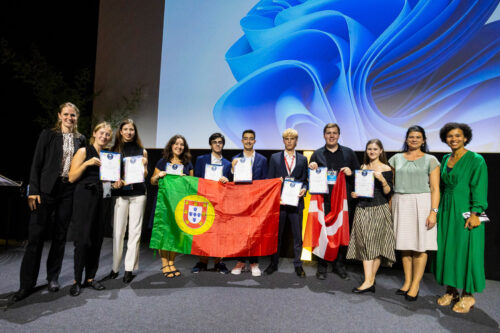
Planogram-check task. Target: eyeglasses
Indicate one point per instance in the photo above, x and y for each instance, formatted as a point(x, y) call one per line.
point(217, 142)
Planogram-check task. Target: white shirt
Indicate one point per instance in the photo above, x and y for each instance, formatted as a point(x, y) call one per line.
point(215, 160)
point(290, 162)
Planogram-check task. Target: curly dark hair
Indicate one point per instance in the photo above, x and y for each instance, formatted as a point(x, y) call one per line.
point(416, 128)
point(168, 154)
point(451, 126)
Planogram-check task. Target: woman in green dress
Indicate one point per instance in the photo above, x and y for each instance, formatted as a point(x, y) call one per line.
point(459, 260)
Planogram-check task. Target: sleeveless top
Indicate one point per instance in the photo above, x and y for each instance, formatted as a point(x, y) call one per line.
point(130, 149)
point(90, 177)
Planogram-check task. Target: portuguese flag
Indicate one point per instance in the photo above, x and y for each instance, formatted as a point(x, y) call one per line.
point(207, 218)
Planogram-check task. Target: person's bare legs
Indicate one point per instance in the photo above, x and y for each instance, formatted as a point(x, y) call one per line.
point(407, 259)
point(419, 262)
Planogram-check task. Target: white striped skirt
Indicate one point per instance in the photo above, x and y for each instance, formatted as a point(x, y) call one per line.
point(410, 212)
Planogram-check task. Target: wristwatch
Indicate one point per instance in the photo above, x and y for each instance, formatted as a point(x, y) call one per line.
point(435, 210)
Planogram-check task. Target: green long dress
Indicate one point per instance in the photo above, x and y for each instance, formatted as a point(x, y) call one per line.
point(460, 256)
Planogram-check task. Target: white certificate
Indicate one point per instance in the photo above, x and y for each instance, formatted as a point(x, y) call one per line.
point(133, 170)
point(243, 170)
point(364, 183)
point(213, 171)
point(290, 193)
point(110, 166)
point(174, 169)
point(318, 181)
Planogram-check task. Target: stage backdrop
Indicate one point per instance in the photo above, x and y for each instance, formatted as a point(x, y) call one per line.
point(373, 67)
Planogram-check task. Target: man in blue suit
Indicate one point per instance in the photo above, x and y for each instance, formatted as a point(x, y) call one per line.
point(290, 165)
point(259, 171)
point(216, 142)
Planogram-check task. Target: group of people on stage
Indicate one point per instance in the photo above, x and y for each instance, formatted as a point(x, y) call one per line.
point(418, 205)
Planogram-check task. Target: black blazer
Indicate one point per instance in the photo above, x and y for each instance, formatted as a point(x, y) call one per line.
point(277, 169)
point(47, 161)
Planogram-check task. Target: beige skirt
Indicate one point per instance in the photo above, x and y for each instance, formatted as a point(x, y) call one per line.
point(410, 212)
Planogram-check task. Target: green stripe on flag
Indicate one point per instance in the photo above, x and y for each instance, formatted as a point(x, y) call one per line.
point(166, 235)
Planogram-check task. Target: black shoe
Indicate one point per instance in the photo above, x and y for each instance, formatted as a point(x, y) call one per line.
point(96, 285)
point(362, 291)
point(300, 272)
point(340, 271)
point(411, 298)
point(20, 295)
point(401, 292)
point(321, 275)
point(111, 276)
point(271, 269)
point(128, 277)
point(53, 286)
point(221, 268)
point(75, 289)
point(200, 266)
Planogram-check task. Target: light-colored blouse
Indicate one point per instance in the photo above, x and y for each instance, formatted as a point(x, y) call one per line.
point(412, 176)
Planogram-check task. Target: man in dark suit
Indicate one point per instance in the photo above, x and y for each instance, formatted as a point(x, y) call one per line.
point(259, 171)
point(289, 165)
point(336, 158)
point(216, 142)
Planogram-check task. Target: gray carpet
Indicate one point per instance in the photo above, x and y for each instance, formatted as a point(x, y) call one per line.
point(212, 302)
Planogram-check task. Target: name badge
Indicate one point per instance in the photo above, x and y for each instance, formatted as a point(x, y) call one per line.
point(331, 177)
point(291, 179)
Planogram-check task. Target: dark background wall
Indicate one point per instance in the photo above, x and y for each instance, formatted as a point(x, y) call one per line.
point(44, 49)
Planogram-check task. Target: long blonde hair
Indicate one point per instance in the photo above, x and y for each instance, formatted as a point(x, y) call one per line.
point(103, 124)
point(57, 126)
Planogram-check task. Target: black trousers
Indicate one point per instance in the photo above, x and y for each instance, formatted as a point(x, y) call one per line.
point(293, 215)
point(88, 229)
point(340, 261)
point(59, 203)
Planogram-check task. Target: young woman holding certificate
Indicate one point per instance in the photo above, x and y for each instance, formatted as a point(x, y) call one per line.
point(50, 193)
point(130, 193)
point(372, 237)
point(415, 207)
point(460, 257)
point(176, 156)
point(87, 225)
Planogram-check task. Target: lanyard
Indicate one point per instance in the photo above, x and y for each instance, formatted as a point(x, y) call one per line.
point(289, 167)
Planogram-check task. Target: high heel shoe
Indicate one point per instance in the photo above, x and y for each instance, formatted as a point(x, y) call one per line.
point(401, 292)
point(411, 298)
point(362, 291)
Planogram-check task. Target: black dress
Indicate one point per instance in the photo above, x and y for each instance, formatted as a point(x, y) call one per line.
point(88, 226)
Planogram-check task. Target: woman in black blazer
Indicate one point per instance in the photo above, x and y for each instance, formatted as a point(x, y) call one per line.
point(50, 193)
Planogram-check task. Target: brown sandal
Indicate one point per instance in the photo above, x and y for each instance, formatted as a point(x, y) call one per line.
point(168, 274)
point(447, 298)
point(464, 305)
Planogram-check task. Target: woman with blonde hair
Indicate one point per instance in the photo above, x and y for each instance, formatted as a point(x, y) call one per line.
point(50, 193)
point(88, 227)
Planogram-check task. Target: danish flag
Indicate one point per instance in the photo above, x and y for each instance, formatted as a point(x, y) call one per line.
point(324, 234)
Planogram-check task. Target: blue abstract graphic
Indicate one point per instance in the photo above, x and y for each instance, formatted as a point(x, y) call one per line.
point(373, 67)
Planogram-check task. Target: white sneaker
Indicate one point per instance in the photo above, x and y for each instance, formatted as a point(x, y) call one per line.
point(255, 270)
point(240, 266)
